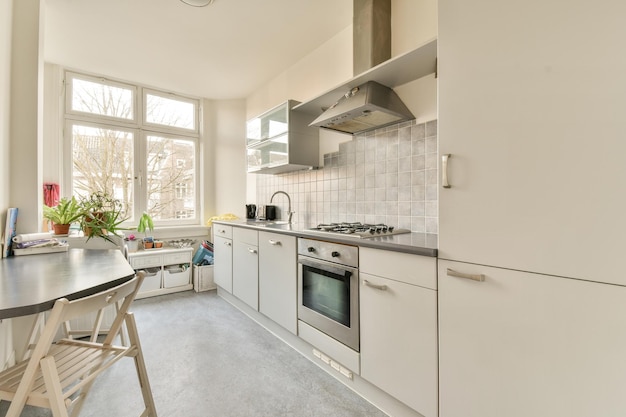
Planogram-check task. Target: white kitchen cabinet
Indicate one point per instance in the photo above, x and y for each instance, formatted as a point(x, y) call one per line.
point(521, 344)
point(278, 279)
point(168, 270)
point(246, 266)
point(223, 256)
point(398, 314)
point(536, 135)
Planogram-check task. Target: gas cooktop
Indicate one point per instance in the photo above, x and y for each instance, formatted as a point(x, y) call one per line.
point(358, 230)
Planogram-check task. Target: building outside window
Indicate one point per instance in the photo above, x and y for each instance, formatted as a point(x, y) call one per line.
point(183, 214)
point(181, 190)
point(137, 144)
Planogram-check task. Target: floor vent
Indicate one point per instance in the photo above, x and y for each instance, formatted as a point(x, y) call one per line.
point(333, 364)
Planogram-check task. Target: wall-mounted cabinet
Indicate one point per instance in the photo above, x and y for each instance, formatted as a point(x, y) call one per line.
point(280, 140)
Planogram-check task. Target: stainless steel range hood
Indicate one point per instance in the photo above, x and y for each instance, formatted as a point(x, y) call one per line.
point(370, 105)
point(366, 107)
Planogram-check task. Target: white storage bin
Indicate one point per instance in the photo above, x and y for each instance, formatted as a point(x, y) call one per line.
point(175, 275)
point(203, 278)
point(152, 281)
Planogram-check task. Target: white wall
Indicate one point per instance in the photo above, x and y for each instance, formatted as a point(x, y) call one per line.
point(226, 125)
point(27, 114)
point(324, 68)
point(6, 12)
point(413, 22)
point(52, 169)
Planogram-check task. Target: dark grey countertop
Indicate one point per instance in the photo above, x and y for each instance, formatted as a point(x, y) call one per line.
point(31, 284)
point(424, 244)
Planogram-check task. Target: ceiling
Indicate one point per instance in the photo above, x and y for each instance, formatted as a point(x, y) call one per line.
point(224, 51)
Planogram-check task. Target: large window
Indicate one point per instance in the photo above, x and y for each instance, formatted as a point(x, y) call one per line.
point(137, 144)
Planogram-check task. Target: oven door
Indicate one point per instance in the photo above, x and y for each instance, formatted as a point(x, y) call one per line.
point(328, 299)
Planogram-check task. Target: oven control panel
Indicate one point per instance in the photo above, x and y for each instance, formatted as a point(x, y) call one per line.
point(329, 251)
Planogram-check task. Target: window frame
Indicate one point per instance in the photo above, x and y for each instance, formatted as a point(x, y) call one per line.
point(141, 130)
point(144, 169)
point(171, 96)
point(69, 93)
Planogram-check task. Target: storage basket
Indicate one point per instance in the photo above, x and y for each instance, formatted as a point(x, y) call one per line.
point(203, 278)
point(175, 275)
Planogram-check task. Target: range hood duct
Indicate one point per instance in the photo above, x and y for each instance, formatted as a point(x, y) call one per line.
point(370, 105)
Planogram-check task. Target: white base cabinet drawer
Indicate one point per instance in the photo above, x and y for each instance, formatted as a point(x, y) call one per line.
point(520, 344)
point(223, 263)
point(278, 279)
point(399, 341)
point(144, 261)
point(246, 272)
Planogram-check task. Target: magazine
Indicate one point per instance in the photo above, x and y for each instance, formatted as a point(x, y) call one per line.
point(9, 232)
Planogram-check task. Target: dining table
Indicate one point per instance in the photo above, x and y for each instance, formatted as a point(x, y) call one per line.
point(30, 284)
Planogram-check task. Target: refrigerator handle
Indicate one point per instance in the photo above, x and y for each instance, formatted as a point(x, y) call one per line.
point(444, 170)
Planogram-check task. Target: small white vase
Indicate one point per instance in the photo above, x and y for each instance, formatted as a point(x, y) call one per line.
point(132, 245)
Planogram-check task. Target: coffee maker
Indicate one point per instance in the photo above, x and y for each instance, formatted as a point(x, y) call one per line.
point(250, 211)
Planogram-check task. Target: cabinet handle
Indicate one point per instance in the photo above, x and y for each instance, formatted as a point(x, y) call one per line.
point(221, 230)
point(376, 286)
point(274, 242)
point(475, 277)
point(251, 250)
point(227, 243)
point(444, 170)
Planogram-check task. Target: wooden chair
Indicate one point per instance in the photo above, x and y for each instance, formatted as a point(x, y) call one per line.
point(58, 375)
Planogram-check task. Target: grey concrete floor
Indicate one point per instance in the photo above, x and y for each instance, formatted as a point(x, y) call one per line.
point(206, 358)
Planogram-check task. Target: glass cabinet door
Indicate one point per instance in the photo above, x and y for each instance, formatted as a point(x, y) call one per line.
point(269, 153)
point(269, 125)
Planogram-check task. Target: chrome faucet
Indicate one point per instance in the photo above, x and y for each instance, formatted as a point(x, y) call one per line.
point(289, 212)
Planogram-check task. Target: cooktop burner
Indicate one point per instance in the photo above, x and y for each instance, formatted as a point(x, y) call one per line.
point(359, 230)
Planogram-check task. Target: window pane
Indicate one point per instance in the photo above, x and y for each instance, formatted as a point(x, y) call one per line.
point(170, 183)
point(102, 99)
point(103, 161)
point(170, 112)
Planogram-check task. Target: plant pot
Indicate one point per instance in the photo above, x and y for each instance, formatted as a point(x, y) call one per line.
point(148, 245)
point(132, 245)
point(61, 229)
point(158, 243)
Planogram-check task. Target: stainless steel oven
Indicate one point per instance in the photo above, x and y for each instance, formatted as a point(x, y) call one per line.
point(328, 289)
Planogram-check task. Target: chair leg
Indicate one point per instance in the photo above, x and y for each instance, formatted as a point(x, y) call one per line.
point(35, 331)
point(53, 386)
point(96, 326)
point(140, 365)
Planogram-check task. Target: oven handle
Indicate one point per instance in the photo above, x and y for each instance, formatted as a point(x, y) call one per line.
point(376, 286)
point(336, 269)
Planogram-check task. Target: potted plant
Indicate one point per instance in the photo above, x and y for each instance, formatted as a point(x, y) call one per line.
point(146, 223)
point(66, 212)
point(103, 215)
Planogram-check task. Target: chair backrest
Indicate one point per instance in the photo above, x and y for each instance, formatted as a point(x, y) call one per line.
point(65, 310)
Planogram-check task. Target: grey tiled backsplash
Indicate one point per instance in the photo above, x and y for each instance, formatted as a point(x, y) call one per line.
point(384, 176)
